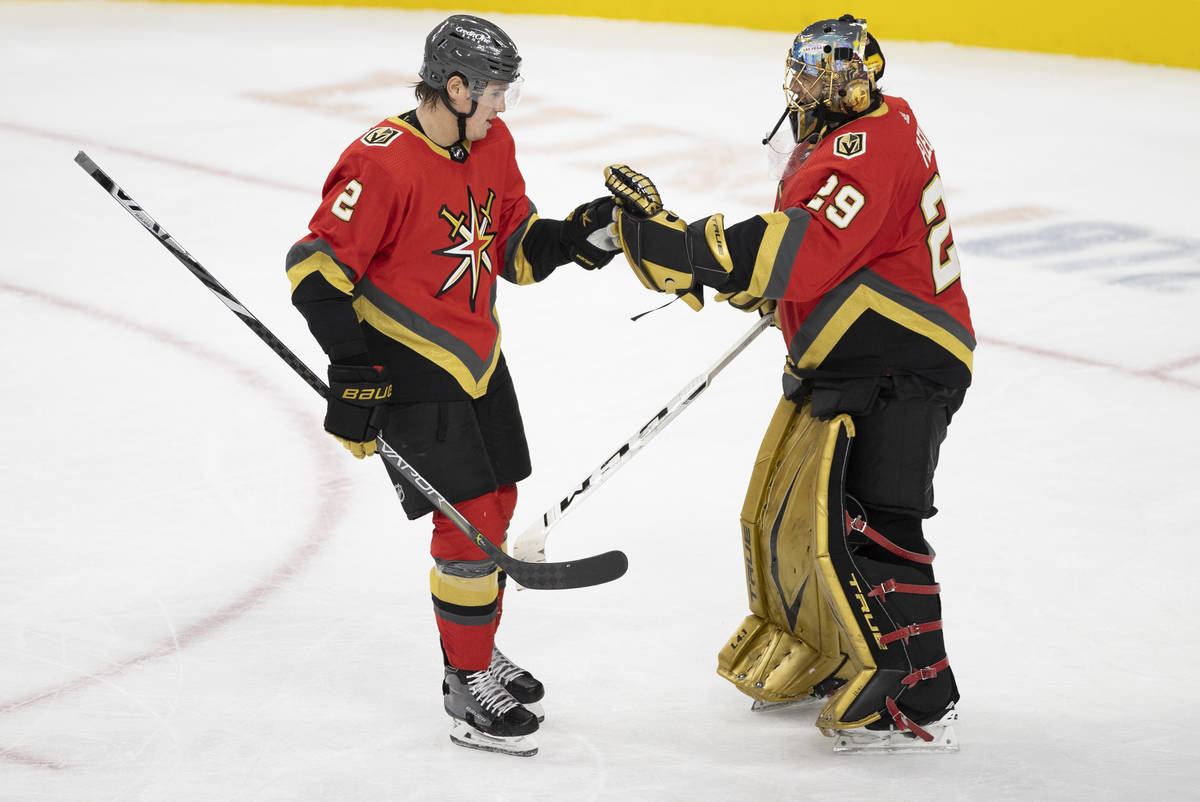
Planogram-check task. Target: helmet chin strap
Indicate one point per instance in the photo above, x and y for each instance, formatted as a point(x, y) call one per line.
point(462, 117)
point(462, 120)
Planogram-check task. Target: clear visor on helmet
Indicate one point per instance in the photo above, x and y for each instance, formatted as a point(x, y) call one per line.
point(499, 96)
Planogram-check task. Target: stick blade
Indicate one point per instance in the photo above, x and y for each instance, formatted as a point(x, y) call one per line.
point(581, 573)
point(531, 545)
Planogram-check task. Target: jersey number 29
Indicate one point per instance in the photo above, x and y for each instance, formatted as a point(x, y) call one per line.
point(943, 257)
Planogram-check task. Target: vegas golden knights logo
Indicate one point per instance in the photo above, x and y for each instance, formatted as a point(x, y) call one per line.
point(850, 145)
point(471, 232)
point(381, 136)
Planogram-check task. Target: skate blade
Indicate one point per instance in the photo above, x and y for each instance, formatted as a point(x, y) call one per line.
point(537, 709)
point(803, 703)
point(463, 734)
point(860, 741)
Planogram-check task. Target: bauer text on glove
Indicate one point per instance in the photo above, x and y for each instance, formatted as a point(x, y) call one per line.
point(354, 411)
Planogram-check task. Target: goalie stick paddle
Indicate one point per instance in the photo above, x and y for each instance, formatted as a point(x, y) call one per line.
point(580, 573)
point(531, 545)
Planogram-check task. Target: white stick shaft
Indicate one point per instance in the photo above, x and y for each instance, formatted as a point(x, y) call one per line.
point(531, 544)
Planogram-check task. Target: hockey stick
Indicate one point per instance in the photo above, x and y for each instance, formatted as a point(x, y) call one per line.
point(572, 574)
point(531, 545)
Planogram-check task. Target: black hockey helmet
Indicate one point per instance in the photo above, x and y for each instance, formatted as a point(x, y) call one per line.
point(471, 47)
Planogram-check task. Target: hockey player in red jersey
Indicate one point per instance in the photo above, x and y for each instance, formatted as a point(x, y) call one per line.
point(859, 259)
point(398, 279)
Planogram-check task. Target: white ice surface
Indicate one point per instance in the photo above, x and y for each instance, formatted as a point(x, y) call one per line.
point(202, 597)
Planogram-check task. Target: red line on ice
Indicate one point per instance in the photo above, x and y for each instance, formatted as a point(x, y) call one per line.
point(318, 534)
point(1157, 374)
point(141, 154)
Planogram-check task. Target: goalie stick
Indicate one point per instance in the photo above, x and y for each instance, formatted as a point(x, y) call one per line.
point(531, 545)
point(584, 572)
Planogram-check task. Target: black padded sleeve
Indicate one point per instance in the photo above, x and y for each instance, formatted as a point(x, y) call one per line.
point(331, 319)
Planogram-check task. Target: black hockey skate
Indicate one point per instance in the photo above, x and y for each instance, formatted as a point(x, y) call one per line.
point(486, 716)
point(523, 686)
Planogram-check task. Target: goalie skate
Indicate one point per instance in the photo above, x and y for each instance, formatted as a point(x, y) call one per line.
point(860, 740)
point(813, 701)
point(800, 705)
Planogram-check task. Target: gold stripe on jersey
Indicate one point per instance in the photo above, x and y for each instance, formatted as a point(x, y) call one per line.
point(323, 263)
point(828, 329)
point(432, 342)
point(435, 147)
point(517, 267)
point(776, 254)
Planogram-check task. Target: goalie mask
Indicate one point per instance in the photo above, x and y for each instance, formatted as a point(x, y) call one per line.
point(833, 70)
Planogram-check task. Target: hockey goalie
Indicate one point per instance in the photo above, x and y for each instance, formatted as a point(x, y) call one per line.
point(857, 263)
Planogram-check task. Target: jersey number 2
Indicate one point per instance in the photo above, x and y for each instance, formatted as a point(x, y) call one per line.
point(943, 258)
point(343, 207)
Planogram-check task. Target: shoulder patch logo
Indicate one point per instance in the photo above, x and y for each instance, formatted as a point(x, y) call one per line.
point(850, 145)
point(381, 137)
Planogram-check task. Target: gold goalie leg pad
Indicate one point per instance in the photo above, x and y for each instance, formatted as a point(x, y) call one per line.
point(791, 645)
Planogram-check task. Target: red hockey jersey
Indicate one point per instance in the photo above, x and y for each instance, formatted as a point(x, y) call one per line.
point(860, 252)
point(418, 235)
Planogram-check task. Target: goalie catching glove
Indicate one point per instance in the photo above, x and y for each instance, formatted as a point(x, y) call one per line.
point(354, 412)
point(667, 254)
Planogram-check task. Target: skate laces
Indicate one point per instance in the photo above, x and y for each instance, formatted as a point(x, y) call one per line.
point(487, 690)
point(503, 669)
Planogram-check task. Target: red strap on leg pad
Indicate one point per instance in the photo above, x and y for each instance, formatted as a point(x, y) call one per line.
point(904, 633)
point(903, 722)
point(863, 528)
point(929, 672)
point(892, 586)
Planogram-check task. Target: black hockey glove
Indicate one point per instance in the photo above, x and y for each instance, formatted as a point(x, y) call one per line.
point(749, 303)
point(354, 412)
point(589, 234)
point(635, 193)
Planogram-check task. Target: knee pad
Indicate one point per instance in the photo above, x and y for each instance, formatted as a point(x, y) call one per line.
point(465, 605)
